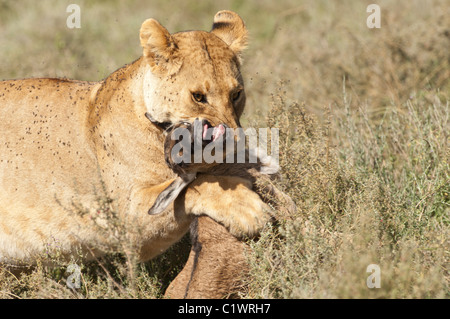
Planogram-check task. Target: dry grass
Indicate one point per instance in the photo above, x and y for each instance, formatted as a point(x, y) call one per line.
point(381, 196)
point(364, 121)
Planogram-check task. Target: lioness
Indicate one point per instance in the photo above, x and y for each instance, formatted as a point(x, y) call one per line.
point(63, 141)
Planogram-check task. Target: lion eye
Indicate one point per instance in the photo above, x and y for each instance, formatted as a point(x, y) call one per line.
point(199, 97)
point(235, 96)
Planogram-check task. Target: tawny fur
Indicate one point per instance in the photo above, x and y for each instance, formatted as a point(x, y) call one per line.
point(66, 142)
point(216, 265)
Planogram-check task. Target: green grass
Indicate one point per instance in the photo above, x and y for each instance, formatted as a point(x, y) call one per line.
point(364, 121)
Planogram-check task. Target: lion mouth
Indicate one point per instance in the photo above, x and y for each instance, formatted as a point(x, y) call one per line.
point(209, 133)
point(162, 125)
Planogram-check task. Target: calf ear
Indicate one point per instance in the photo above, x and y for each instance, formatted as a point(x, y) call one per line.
point(230, 28)
point(167, 196)
point(159, 47)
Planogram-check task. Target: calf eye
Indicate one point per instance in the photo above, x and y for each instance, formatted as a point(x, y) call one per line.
point(199, 97)
point(235, 95)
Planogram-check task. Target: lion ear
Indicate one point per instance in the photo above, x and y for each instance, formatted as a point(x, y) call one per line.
point(230, 28)
point(159, 47)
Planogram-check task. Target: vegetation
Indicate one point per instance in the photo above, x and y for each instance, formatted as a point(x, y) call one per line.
point(364, 135)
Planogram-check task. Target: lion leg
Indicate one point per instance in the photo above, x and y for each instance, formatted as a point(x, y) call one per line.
point(154, 233)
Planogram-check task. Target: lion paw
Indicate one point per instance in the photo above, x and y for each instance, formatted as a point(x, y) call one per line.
point(229, 201)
